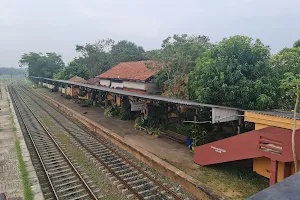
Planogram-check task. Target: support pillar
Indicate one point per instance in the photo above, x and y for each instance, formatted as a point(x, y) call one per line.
point(287, 169)
point(274, 171)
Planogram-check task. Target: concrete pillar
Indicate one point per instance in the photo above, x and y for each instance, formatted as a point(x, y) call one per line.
point(274, 171)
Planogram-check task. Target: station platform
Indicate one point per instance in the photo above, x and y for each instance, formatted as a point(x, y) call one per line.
point(233, 184)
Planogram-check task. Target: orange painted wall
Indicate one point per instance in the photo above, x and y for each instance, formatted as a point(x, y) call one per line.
point(262, 166)
point(268, 120)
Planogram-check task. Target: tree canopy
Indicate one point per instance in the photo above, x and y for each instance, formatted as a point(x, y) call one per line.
point(74, 68)
point(100, 56)
point(125, 51)
point(43, 65)
point(178, 55)
point(235, 72)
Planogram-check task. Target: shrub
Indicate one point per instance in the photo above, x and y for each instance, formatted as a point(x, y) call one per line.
point(108, 111)
point(200, 135)
point(138, 123)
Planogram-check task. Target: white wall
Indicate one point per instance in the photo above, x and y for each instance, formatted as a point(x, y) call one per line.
point(116, 85)
point(105, 82)
point(134, 85)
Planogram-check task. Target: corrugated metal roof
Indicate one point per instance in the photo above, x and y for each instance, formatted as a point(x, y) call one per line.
point(277, 113)
point(144, 96)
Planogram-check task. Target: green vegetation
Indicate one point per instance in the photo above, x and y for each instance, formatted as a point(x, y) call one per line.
point(110, 111)
point(98, 57)
point(28, 194)
point(27, 191)
point(178, 55)
point(232, 180)
point(43, 65)
point(234, 73)
point(237, 71)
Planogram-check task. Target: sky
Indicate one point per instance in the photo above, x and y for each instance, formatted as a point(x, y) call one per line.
point(58, 25)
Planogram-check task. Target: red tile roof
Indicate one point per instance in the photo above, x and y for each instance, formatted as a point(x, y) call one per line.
point(139, 70)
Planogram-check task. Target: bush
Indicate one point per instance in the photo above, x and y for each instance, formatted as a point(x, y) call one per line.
point(200, 135)
point(108, 111)
point(139, 123)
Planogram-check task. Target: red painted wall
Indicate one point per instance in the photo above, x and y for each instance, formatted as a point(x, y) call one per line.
point(248, 145)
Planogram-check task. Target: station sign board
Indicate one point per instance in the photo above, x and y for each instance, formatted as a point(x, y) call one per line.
point(137, 106)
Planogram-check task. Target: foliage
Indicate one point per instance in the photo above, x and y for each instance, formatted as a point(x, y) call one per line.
point(178, 55)
point(297, 44)
point(125, 51)
point(110, 111)
point(43, 65)
point(157, 119)
point(235, 72)
point(95, 56)
point(200, 135)
point(104, 54)
point(290, 84)
point(286, 61)
point(139, 123)
point(73, 69)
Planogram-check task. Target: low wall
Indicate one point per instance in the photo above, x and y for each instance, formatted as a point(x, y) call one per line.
point(190, 184)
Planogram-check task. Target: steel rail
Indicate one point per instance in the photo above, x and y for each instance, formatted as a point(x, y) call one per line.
point(162, 187)
point(34, 145)
point(92, 195)
point(96, 157)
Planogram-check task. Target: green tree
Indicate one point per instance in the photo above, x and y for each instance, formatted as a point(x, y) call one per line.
point(297, 44)
point(235, 72)
point(125, 51)
point(178, 55)
point(291, 83)
point(96, 57)
point(287, 60)
point(73, 69)
point(43, 65)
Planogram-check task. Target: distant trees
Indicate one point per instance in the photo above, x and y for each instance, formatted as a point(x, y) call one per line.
point(100, 56)
point(44, 65)
point(13, 71)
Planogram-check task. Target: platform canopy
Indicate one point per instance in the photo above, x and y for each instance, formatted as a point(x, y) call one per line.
point(220, 113)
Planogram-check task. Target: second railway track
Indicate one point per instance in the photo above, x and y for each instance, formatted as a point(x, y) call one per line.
point(60, 179)
point(131, 179)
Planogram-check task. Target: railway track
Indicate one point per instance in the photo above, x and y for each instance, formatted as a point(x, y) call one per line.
point(58, 176)
point(130, 178)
